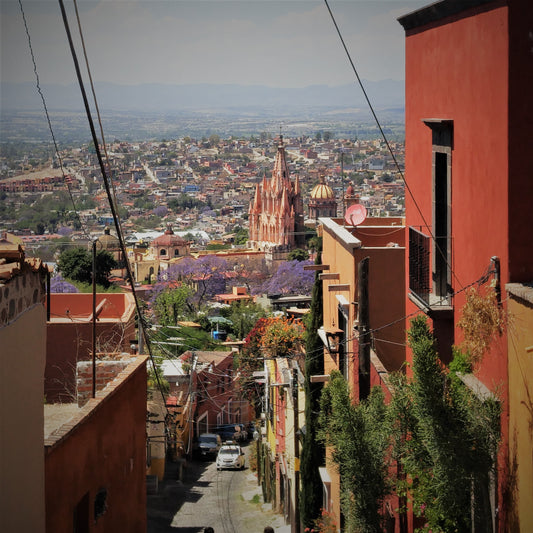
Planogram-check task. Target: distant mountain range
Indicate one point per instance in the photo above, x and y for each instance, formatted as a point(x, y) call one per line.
point(153, 97)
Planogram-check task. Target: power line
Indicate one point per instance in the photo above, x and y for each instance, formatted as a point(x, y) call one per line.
point(41, 94)
point(108, 191)
point(437, 247)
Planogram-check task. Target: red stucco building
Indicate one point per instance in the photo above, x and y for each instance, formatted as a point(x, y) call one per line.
point(469, 70)
point(69, 333)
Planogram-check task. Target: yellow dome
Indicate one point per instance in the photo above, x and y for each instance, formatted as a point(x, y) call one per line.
point(322, 192)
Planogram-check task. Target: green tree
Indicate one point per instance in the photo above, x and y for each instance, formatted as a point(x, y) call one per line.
point(360, 437)
point(76, 264)
point(312, 455)
point(298, 254)
point(243, 315)
point(446, 438)
point(171, 305)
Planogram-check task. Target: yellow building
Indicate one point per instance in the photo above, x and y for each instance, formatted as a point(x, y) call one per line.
point(520, 365)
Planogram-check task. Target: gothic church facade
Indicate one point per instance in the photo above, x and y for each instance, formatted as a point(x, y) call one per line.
point(276, 212)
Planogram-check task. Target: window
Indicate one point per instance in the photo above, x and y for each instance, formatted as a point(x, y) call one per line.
point(441, 215)
point(162, 252)
point(442, 146)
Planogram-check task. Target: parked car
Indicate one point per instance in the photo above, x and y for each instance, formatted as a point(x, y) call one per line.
point(208, 445)
point(230, 456)
point(233, 432)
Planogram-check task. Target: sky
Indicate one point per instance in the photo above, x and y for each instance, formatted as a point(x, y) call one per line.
point(289, 43)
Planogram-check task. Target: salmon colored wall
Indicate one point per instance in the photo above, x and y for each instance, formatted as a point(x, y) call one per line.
point(106, 449)
point(81, 304)
point(69, 336)
point(442, 81)
point(458, 70)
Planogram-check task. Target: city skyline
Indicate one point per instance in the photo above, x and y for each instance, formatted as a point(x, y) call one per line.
point(256, 42)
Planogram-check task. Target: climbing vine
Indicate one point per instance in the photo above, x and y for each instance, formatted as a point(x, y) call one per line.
point(481, 320)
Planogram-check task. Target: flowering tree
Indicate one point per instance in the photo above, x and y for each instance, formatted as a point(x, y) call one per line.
point(205, 277)
point(282, 337)
point(59, 285)
point(250, 360)
point(290, 278)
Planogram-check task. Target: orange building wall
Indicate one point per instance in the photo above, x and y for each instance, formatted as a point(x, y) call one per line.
point(106, 449)
point(521, 413)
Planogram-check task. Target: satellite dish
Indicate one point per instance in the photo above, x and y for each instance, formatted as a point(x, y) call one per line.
point(355, 214)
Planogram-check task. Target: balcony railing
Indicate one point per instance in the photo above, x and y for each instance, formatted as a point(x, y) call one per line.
point(429, 282)
point(419, 266)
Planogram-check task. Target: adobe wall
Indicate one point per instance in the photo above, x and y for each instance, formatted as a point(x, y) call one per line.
point(22, 360)
point(103, 450)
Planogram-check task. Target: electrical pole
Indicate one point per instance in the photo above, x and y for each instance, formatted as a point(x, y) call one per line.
point(364, 329)
point(94, 319)
point(296, 525)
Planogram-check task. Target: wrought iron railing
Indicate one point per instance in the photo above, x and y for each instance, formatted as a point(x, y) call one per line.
point(419, 264)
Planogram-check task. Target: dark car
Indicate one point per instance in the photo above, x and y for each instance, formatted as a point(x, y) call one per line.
point(208, 445)
point(234, 432)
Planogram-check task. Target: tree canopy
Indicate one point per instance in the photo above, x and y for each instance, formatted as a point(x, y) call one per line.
point(77, 264)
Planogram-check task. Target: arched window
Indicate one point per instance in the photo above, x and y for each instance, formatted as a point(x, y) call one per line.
point(163, 252)
point(176, 252)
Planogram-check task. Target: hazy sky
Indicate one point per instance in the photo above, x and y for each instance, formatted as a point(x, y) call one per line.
point(276, 43)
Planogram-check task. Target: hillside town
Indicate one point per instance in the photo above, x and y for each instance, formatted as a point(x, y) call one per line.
point(296, 334)
point(202, 187)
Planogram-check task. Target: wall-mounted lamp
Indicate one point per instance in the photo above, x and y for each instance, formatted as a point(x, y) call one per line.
point(333, 337)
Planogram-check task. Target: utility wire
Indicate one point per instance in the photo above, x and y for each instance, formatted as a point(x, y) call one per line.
point(41, 94)
point(437, 247)
point(96, 104)
point(108, 191)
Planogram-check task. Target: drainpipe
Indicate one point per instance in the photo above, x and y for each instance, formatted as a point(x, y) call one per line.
point(48, 290)
point(495, 261)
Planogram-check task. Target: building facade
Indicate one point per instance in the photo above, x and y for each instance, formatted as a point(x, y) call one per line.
point(468, 122)
point(22, 359)
point(276, 212)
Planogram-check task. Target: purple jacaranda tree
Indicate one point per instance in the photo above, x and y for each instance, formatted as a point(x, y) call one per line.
point(290, 278)
point(206, 275)
point(160, 211)
point(58, 284)
point(64, 231)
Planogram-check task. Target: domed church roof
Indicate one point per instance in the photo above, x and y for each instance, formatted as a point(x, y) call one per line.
point(108, 241)
point(322, 191)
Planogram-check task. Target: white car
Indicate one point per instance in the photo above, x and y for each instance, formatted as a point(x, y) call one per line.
point(230, 456)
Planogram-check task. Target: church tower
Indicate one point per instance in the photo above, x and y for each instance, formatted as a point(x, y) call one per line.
point(322, 202)
point(276, 212)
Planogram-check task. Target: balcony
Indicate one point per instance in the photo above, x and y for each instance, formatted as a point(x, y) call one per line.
point(430, 272)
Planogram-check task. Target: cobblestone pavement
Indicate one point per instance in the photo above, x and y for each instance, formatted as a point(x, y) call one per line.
point(228, 501)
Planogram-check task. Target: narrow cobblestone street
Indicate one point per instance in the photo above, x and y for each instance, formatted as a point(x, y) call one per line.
point(229, 501)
